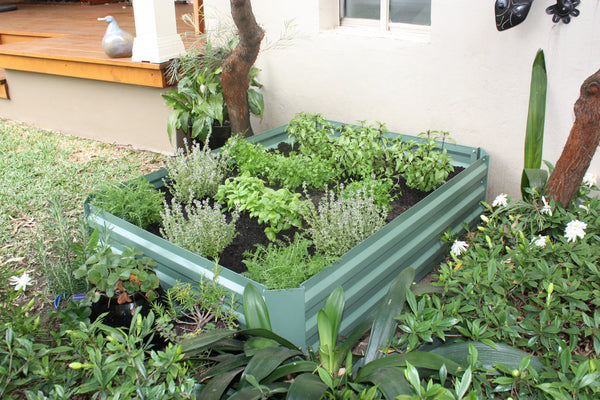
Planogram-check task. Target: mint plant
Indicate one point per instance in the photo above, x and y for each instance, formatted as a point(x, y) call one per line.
point(199, 227)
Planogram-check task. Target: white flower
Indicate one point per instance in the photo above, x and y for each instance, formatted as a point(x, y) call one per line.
point(500, 200)
point(540, 241)
point(21, 282)
point(546, 209)
point(459, 247)
point(589, 179)
point(574, 230)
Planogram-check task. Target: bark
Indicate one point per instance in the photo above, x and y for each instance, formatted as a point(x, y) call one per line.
point(579, 150)
point(236, 67)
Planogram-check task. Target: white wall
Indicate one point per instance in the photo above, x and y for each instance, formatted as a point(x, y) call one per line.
point(465, 77)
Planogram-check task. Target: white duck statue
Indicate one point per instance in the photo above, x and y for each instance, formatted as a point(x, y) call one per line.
point(116, 43)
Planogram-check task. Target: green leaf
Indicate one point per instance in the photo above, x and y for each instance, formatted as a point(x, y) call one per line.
point(216, 386)
point(256, 102)
point(291, 368)
point(198, 343)
point(419, 359)
point(306, 387)
point(255, 309)
point(534, 178)
point(268, 334)
point(266, 360)
point(488, 356)
point(391, 381)
point(391, 306)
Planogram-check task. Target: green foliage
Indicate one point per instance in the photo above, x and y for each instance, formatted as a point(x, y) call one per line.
point(199, 227)
point(527, 280)
point(195, 308)
point(199, 101)
point(256, 363)
point(279, 209)
point(425, 165)
point(283, 265)
point(92, 360)
point(533, 176)
point(196, 174)
point(135, 201)
point(339, 223)
point(61, 250)
point(290, 171)
point(379, 188)
point(120, 274)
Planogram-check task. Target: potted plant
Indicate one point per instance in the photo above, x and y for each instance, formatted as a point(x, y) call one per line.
point(119, 281)
point(198, 104)
point(364, 271)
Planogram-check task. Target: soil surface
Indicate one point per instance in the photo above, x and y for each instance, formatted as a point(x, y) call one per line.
point(252, 233)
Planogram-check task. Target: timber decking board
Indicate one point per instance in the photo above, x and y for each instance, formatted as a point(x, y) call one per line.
point(70, 42)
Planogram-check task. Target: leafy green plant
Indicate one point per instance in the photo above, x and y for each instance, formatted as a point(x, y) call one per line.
point(280, 209)
point(339, 223)
point(196, 174)
point(379, 188)
point(425, 165)
point(282, 265)
point(533, 176)
point(118, 274)
point(199, 227)
point(199, 103)
point(135, 201)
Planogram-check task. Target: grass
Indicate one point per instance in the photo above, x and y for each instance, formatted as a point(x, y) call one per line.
point(39, 165)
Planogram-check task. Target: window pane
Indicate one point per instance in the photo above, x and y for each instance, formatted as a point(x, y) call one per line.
point(411, 11)
point(362, 9)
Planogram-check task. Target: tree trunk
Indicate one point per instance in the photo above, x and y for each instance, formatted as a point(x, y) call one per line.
point(236, 67)
point(581, 144)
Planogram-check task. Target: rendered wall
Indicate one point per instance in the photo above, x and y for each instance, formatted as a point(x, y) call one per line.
point(103, 111)
point(465, 77)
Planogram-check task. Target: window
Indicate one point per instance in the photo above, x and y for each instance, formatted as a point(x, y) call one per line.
point(385, 13)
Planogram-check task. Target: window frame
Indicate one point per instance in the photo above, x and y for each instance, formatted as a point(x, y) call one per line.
point(383, 24)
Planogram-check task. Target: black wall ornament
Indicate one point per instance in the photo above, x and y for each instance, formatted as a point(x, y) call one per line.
point(511, 13)
point(563, 10)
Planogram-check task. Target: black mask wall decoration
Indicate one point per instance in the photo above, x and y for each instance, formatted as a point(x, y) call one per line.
point(563, 10)
point(511, 13)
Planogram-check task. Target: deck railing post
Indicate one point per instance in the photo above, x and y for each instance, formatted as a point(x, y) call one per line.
point(156, 31)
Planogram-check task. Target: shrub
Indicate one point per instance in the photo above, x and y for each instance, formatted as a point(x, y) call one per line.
point(199, 227)
point(198, 175)
point(339, 223)
point(135, 201)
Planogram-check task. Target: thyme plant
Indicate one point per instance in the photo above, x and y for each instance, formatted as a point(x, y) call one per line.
point(199, 227)
point(197, 175)
point(339, 223)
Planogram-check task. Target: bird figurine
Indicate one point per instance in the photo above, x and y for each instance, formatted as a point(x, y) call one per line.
point(116, 42)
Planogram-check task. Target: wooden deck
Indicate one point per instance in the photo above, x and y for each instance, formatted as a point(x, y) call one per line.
point(65, 39)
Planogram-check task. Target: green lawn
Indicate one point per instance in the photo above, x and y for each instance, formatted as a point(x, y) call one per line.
point(38, 165)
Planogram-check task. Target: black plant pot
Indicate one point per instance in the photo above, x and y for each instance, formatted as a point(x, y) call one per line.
point(119, 315)
point(220, 134)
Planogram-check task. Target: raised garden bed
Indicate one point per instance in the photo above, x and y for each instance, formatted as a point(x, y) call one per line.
point(412, 239)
